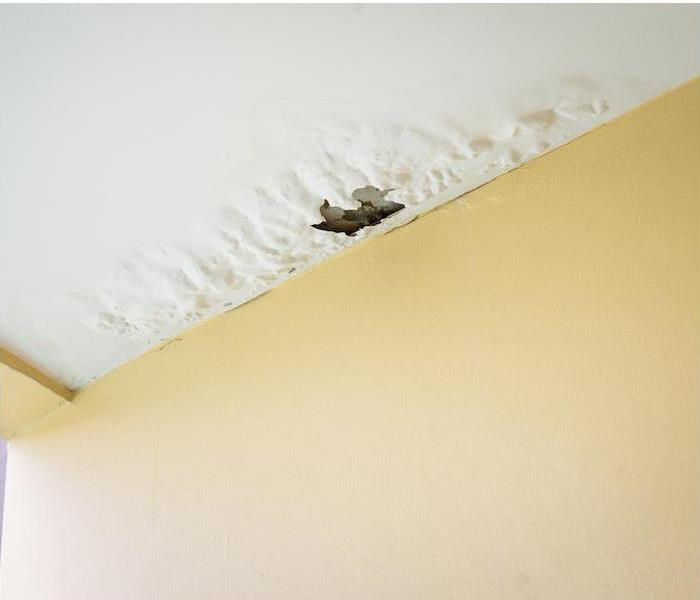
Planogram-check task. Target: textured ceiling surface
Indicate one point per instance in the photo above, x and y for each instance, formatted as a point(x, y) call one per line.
point(163, 164)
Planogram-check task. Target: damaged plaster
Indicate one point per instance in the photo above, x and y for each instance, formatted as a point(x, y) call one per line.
point(238, 253)
point(374, 207)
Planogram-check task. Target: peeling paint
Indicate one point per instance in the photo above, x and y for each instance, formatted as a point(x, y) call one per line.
point(255, 243)
point(374, 207)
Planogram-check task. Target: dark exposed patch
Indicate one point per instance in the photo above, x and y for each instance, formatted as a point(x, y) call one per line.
point(373, 208)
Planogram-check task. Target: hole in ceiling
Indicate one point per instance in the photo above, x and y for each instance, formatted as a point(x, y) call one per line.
point(373, 208)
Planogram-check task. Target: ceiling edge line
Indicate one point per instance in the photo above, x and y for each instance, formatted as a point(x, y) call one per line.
point(14, 362)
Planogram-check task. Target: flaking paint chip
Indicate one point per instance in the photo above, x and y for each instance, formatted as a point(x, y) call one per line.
point(373, 208)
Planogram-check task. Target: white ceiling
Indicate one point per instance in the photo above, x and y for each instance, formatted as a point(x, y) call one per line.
point(162, 164)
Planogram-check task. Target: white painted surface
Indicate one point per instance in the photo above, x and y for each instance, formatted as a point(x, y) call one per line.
point(159, 165)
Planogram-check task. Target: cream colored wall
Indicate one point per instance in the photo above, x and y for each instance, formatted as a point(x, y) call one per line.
point(27, 397)
point(497, 401)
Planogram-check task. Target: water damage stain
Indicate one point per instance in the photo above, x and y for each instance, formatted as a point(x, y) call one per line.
point(251, 244)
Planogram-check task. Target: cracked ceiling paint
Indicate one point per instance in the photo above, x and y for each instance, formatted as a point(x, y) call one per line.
point(160, 165)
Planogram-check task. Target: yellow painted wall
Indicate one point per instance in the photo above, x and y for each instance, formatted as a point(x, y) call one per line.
point(498, 401)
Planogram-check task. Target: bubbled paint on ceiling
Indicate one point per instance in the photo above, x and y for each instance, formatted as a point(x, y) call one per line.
point(163, 164)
